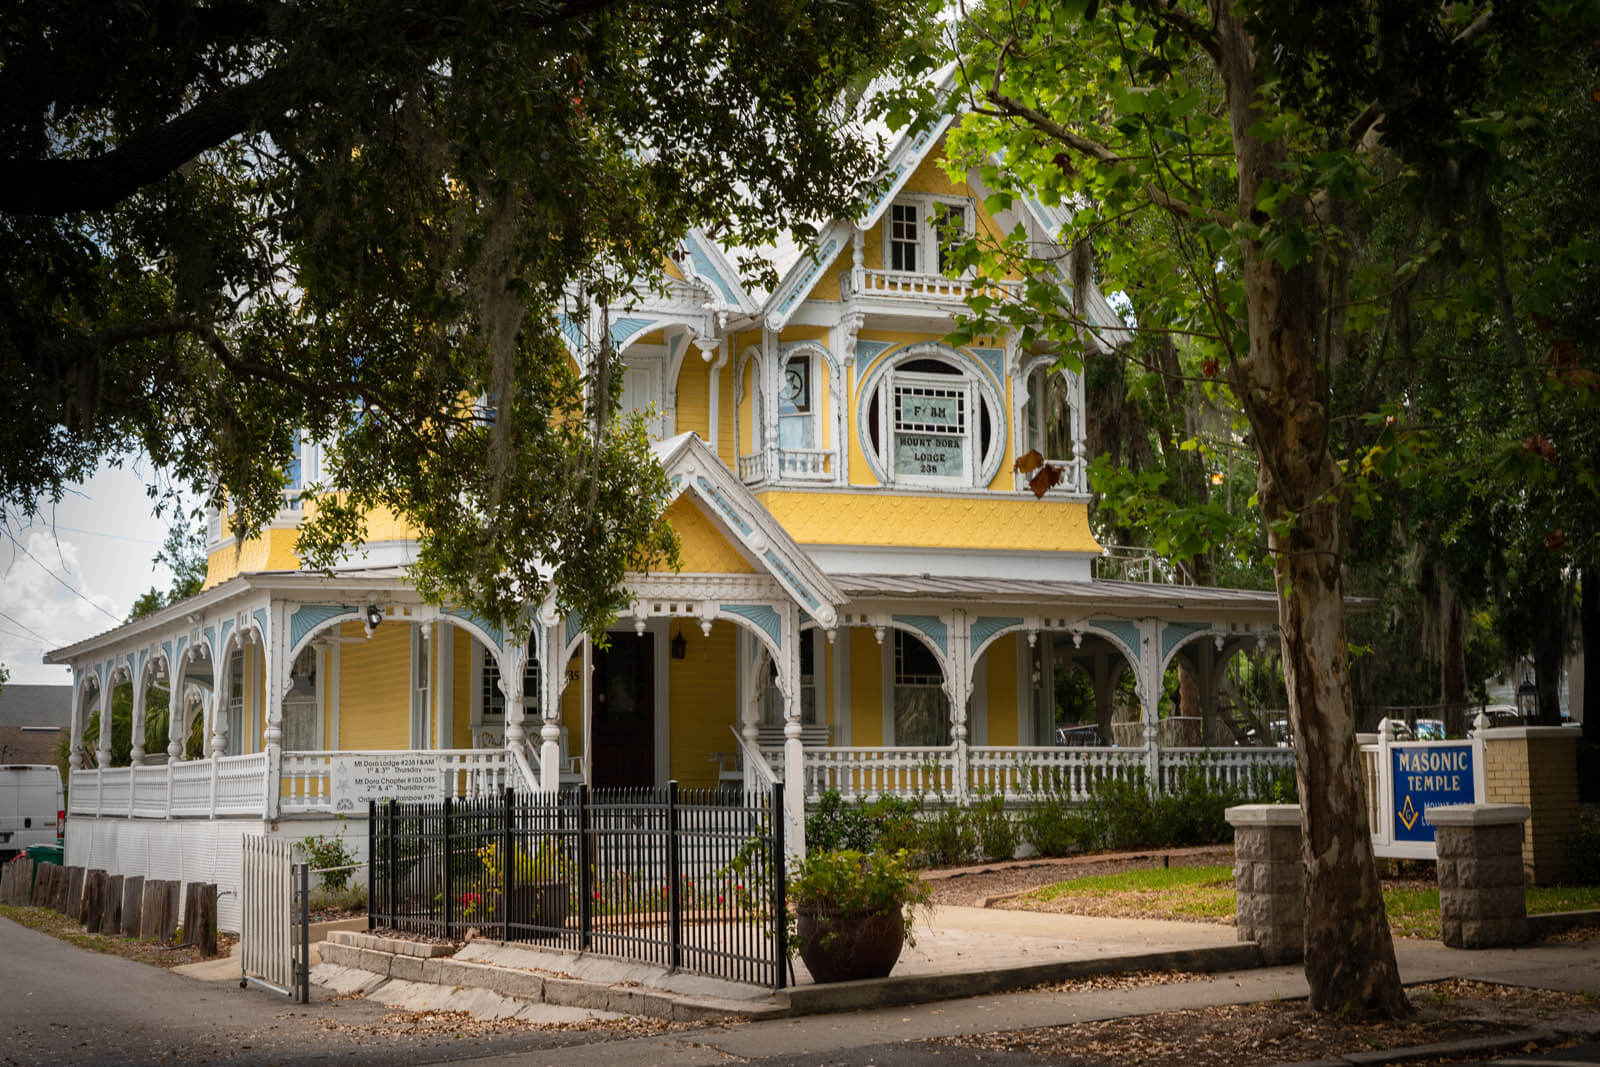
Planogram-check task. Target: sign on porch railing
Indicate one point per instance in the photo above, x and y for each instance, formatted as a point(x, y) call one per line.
point(408, 777)
point(1405, 779)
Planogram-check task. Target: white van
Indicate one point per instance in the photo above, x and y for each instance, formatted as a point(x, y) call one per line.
point(32, 807)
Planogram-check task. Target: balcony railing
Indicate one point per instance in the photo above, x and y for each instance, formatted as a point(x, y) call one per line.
point(1128, 563)
point(794, 465)
point(895, 283)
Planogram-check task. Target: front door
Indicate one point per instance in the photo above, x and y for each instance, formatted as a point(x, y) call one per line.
point(624, 749)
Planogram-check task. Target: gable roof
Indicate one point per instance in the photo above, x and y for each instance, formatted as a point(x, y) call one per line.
point(692, 467)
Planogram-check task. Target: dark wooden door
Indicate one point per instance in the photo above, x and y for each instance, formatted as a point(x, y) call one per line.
point(625, 712)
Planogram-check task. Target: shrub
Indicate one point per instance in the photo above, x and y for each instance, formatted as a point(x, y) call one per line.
point(948, 839)
point(323, 852)
point(995, 829)
point(848, 882)
point(1128, 810)
point(1583, 849)
point(835, 825)
point(897, 824)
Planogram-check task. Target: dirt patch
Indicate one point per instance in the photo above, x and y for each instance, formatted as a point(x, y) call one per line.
point(47, 921)
point(978, 887)
point(1288, 1032)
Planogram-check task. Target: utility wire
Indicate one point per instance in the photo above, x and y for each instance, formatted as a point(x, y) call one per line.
point(64, 584)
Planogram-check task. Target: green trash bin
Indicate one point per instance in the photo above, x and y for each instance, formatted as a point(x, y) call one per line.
point(44, 854)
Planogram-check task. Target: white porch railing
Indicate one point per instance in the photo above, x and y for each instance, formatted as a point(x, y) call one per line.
point(1074, 477)
point(805, 464)
point(873, 772)
point(464, 773)
point(752, 467)
point(758, 772)
point(1018, 772)
point(895, 283)
point(238, 785)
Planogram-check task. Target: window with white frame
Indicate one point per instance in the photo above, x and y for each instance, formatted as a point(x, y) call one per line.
point(920, 230)
point(1047, 416)
point(797, 416)
point(921, 709)
point(494, 701)
point(642, 391)
point(928, 422)
point(302, 722)
point(235, 709)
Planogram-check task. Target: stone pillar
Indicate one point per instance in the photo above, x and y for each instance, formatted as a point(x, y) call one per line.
point(1536, 766)
point(1481, 902)
point(1269, 880)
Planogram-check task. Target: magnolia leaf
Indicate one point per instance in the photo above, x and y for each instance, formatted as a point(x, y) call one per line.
point(1045, 480)
point(1028, 462)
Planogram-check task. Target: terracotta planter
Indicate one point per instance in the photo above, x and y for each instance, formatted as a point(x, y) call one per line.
point(540, 904)
point(846, 948)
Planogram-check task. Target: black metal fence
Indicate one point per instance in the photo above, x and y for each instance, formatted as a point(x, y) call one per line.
point(690, 879)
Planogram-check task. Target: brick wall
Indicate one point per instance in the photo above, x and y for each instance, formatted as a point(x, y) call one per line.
point(1537, 766)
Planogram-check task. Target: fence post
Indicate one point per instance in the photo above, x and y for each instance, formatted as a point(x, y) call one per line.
point(391, 882)
point(449, 854)
point(674, 877)
point(372, 860)
point(303, 972)
point(507, 862)
point(780, 903)
point(585, 870)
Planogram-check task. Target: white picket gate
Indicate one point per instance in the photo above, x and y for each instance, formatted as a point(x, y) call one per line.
point(268, 923)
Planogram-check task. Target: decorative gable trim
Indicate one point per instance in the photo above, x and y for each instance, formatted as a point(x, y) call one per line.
point(904, 159)
point(710, 266)
point(692, 467)
point(791, 292)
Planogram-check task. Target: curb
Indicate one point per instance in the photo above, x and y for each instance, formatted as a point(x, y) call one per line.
point(416, 962)
point(1441, 1050)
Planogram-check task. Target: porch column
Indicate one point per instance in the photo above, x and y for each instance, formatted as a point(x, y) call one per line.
point(75, 731)
point(511, 658)
point(550, 713)
point(136, 751)
point(177, 718)
point(102, 743)
point(794, 756)
point(1149, 668)
point(275, 662)
point(958, 688)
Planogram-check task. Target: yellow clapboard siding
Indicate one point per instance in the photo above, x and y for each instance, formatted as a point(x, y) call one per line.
point(374, 688)
point(694, 396)
point(702, 694)
point(866, 688)
point(1001, 661)
point(461, 686)
point(844, 518)
point(702, 546)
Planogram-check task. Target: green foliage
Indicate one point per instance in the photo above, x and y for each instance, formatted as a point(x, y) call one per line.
point(184, 553)
point(948, 837)
point(995, 829)
point(377, 224)
point(323, 852)
point(1583, 851)
point(850, 883)
point(832, 825)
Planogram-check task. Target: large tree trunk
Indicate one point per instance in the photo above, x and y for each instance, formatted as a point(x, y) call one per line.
point(1349, 954)
point(1550, 649)
point(1452, 655)
point(1589, 626)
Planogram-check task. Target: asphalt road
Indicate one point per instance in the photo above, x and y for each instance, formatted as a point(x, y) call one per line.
point(60, 1004)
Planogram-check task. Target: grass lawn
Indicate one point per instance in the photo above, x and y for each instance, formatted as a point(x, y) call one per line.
point(1206, 894)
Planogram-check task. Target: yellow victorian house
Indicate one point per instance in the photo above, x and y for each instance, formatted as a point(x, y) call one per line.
point(871, 600)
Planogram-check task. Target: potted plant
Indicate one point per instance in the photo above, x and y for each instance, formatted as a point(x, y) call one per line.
point(854, 911)
point(540, 886)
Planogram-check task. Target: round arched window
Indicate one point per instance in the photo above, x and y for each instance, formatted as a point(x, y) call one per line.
point(928, 420)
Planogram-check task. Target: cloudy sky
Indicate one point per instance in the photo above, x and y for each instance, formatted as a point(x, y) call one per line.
point(76, 571)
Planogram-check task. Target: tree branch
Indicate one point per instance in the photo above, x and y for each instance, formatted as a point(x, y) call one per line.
point(1191, 28)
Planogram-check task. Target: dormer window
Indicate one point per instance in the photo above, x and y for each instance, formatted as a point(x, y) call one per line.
point(929, 421)
point(797, 421)
point(919, 231)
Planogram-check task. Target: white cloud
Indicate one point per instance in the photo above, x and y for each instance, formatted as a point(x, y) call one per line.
point(39, 613)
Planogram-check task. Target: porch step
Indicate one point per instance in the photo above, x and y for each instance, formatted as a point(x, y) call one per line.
point(522, 976)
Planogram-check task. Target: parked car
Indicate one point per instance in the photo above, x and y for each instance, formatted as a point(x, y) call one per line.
point(1430, 730)
point(1084, 735)
point(32, 807)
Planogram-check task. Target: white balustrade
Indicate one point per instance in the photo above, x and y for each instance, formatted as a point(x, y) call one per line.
point(1232, 768)
point(752, 467)
point(873, 772)
point(1074, 477)
point(805, 464)
point(1067, 772)
point(894, 283)
point(464, 773)
point(116, 790)
point(241, 784)
point(149, 792)
point(191, 788)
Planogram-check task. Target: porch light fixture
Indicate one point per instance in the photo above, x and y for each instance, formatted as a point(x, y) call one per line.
point(374, 617)
point(1216, 477)
point(1528, 698)
point(680, 647)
